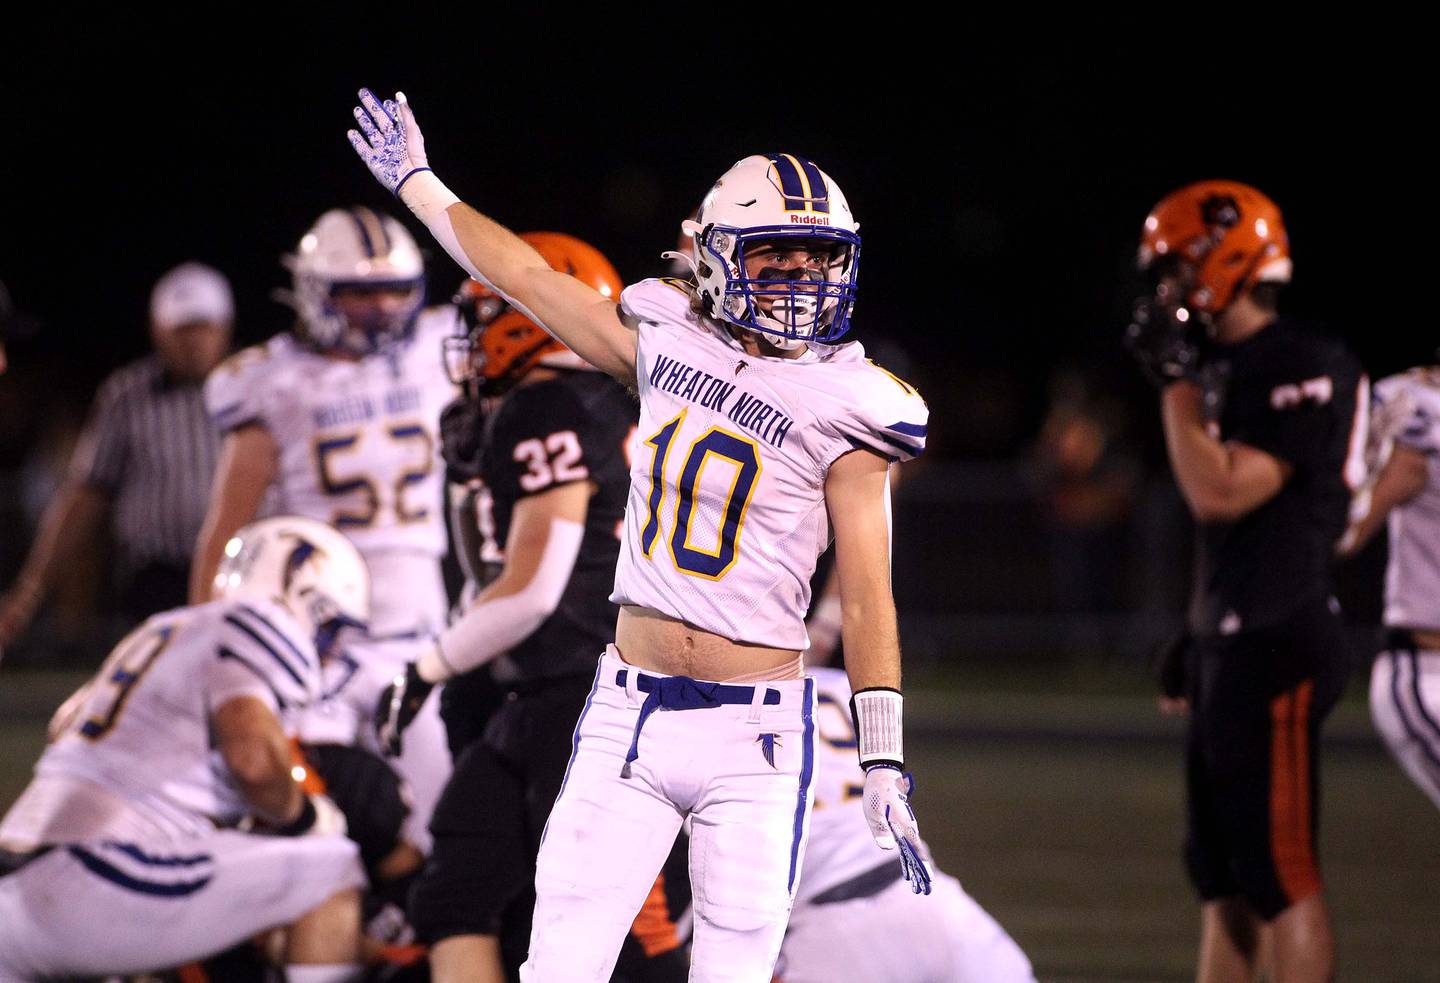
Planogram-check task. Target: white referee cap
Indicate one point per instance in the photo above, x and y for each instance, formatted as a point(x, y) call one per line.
point(191, 292)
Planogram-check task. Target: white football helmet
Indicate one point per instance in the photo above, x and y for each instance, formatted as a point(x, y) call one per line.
point(303, 564)
point(774, 199)
point(354, 247)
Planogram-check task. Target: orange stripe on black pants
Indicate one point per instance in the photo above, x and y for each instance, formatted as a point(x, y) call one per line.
point(1292, 839)
point(653, 928)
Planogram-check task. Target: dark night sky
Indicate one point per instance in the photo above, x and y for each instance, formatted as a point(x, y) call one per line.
point(999, 194)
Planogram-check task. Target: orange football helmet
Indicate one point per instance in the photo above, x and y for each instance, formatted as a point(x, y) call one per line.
point(1222, 237)
point(503, 344)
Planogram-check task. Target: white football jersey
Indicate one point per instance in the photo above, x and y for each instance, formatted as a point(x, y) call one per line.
point(131, 756)
point(726, 514)
point(358, 440)
point(1406, 409)
point(840, 845)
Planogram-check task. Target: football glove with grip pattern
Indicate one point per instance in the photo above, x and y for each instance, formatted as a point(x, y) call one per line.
point(391, 145)
point(892, 821)
point(878, 716)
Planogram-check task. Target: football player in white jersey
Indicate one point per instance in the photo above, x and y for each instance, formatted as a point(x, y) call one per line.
point(337, 420)
point(123, 855)
point(849, 892)
point(1404, 489)
point(759, 439)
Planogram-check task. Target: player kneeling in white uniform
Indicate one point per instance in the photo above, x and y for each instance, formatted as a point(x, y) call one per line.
point(126, 852)
point(755, 429)
point(850, 894)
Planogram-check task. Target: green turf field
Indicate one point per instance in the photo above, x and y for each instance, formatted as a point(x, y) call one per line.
point(1061, 815)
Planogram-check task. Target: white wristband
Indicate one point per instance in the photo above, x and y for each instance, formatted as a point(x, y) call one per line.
point(426, 195)
point(878, 726)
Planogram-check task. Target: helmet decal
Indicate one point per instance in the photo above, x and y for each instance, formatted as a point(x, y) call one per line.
point(801, 183)
point(303, 550)
point(1220, 210)
point(371, 231)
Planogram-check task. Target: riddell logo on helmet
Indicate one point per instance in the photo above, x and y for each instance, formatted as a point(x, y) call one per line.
point(809, 219)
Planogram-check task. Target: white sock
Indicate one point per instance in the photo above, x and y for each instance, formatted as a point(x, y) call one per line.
point(323, 973)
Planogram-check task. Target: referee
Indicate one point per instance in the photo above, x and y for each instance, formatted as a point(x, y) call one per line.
point(144, 460)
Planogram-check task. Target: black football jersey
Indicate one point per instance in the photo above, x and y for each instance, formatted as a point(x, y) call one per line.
point(575, 427)
point(1301, 398)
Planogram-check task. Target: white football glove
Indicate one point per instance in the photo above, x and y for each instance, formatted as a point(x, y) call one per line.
point(892, 821)
point(392, 146)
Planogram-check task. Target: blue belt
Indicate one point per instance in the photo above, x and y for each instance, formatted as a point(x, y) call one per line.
point(683, 693)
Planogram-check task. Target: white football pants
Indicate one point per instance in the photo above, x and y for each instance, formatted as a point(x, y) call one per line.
point(738, 760)
point(1405, 708)
point(114, 909)
point(901, 937)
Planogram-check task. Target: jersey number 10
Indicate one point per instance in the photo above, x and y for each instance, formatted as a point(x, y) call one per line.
point(731, 449)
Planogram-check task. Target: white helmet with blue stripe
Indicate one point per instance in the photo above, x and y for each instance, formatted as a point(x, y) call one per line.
point(307, 566)
point(774, 202)
point(356, 248)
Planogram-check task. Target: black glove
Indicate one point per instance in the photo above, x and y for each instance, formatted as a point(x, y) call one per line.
point(462, 426)
point(399, 703)
point(1171, 675)
point(1162, 344)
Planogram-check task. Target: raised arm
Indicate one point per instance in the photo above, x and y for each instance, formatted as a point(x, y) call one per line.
point(590, 324)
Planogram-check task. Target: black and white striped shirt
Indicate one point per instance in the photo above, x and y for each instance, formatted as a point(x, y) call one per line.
point(151, 447)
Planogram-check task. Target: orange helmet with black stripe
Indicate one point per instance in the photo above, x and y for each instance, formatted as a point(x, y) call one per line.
point(503, 344)
point(1218, 239)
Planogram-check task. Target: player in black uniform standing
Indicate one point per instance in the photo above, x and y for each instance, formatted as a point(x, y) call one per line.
point(1264, 425)
point(537, 453)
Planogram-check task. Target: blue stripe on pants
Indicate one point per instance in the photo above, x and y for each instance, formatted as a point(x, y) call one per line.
point(807, 769)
